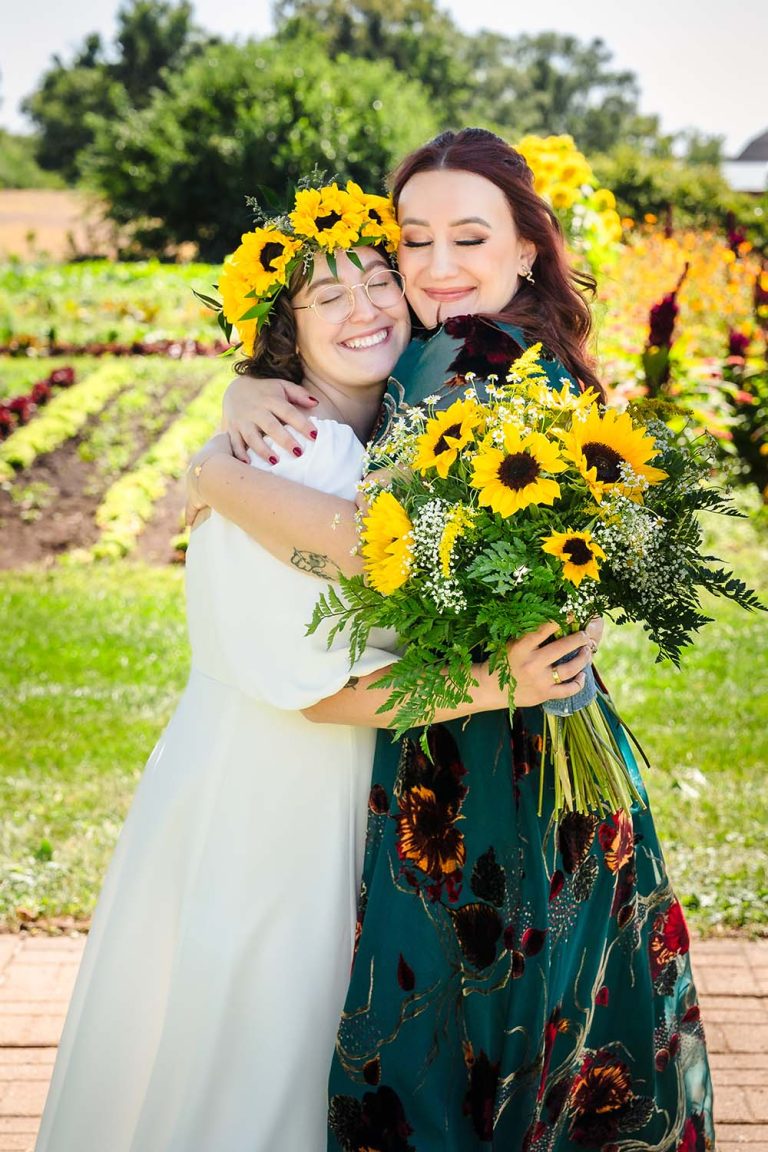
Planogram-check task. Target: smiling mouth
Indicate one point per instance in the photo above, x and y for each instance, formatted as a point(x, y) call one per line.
point(448, 293)
point(370, 341)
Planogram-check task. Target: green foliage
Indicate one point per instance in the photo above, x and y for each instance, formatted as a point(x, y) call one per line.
point(154, 37)
point(679, 192)
point(128, 505)
point(61, 109)
point(239, 115)
point(554, 84)
point(18, 166)
point(100, 300)
point(63, 417)
point(419, 39)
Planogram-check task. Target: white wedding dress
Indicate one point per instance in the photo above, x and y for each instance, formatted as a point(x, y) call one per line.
point(205, 1011)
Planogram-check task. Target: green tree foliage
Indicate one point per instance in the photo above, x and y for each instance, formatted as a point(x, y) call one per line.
point(153, 38)
point(672, 188)
point(18, 167)
point(414, 35)
point(238, 117)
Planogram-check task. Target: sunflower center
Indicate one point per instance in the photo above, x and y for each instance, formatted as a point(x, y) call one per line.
point(442, 444)
point(327, 221)
point(605, 460)
point(373, 214)
point(518, 470)
point(269, 253)
point(577, 550)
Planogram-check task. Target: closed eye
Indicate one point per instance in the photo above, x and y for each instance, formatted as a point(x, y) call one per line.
point(470, 243)
point(416, 243)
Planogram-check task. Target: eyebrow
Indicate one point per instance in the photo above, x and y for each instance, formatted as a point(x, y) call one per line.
point(453, 224)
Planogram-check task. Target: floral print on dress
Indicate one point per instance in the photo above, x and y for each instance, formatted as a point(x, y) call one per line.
point(519, 984)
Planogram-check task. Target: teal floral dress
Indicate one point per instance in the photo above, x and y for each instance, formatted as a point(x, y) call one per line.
point(518, 984)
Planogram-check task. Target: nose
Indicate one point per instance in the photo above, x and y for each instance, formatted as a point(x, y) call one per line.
point(442, 265)
point(362, 308)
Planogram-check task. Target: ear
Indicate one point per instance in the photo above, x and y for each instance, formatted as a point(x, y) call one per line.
point(528, 253)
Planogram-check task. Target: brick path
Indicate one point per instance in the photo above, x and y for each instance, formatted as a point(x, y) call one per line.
point(37, 973)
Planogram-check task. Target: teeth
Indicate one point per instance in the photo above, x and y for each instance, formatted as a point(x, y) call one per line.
point(367, 341)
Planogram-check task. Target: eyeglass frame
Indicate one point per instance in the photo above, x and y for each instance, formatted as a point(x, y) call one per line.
point(349, 289)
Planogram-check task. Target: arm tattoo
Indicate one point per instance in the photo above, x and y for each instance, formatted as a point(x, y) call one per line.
point(312, 562)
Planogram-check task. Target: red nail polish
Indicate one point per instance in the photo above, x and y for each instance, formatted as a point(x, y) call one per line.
point(297, 451)
point(273, 459)
point(313, 434)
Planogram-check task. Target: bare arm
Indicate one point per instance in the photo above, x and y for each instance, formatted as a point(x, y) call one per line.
point(531, 660)
point(297, 524)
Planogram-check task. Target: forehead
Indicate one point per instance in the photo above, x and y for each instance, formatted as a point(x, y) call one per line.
point(451, 196)
point(346, 271)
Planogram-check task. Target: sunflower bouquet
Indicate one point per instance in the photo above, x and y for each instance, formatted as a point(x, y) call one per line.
point(518, 504)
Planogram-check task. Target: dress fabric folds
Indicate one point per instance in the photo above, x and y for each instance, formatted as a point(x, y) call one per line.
point(519, 984)
point(206, 1007)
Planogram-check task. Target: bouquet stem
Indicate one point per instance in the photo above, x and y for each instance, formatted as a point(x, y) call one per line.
point(591, 774)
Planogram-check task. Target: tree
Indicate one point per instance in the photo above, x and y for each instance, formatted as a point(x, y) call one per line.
point(242, 116)
point(418, 38)
point(563, 85)
point(154, 37)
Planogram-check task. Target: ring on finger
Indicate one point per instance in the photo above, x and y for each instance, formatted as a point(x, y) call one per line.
point(556, 676)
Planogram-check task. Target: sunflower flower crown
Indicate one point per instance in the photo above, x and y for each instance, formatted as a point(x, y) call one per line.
point(323, 219)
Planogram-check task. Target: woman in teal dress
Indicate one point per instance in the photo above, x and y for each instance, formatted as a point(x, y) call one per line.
point(519, 983)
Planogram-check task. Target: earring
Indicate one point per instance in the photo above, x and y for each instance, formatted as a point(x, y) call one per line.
point(526, 273)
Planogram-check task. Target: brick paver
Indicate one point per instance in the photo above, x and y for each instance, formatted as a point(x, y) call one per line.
point(37, 974)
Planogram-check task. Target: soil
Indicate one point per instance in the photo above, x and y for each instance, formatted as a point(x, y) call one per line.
point(53, 224)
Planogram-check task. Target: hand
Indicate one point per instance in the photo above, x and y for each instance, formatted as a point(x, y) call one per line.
point(218, 445)
point(532, 661)
point(594, 631)
point(255, 408)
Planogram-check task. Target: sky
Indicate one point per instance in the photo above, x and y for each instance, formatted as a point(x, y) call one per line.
point(700, 63)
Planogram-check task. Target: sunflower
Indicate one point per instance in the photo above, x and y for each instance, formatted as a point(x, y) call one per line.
point(563, 399)
point(263, 258)
point(445, 435)
point(512, 477)
point(603, 445)
point(387, 544)
point(579, 553)
point(234, 288)
point(330, 216)
point(380, 223)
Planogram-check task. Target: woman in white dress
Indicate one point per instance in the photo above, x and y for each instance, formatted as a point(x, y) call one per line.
point(206, 1007)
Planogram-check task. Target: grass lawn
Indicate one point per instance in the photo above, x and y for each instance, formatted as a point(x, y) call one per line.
point(93, 659)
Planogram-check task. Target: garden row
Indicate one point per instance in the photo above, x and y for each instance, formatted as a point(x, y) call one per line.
point(89, 468)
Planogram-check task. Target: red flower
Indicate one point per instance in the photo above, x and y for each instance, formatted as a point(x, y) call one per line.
point(602, 996)
point(738, 343)
point(62, 377)
point(556, 884)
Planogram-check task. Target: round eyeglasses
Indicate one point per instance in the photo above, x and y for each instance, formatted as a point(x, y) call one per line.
point(335, 303)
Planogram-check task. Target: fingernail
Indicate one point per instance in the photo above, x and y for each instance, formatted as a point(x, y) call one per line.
point(313, 434)
point(297, 451)
point(273, 459)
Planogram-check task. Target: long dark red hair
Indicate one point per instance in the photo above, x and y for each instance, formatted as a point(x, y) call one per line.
point(554, 310)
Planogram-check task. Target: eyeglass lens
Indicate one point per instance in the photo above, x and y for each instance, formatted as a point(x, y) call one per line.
point(336, 302)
